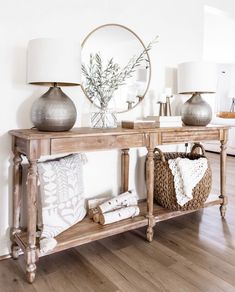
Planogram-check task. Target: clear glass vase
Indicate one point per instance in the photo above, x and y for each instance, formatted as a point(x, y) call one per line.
point(104, 118)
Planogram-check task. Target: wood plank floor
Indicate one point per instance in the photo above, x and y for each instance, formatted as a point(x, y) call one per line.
point(194, 252)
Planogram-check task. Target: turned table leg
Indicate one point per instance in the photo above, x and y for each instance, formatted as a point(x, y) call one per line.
point(223, 196)
point(16, 197)
point(30, 253)
point(150, 185)
point(125, 170)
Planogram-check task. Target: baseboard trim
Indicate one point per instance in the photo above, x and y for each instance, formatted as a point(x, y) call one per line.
point(4, 257)
point(5, 249)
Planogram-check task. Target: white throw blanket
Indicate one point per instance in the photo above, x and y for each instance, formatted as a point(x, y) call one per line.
point(187, 174)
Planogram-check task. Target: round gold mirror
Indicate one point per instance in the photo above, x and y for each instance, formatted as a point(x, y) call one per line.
point(115, 67)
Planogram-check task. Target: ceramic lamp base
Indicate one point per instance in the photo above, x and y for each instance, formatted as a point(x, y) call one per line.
point(196, 112)
point(54, 111)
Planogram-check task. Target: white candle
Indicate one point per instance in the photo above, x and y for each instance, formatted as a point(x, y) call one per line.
point(162, 97)
point(168, 91)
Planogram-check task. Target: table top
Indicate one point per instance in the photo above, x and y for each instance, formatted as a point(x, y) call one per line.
point(34, 134)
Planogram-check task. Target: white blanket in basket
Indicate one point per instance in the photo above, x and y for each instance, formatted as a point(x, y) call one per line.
point(187, 174)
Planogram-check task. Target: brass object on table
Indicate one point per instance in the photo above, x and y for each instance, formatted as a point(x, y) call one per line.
point(162, 108)
point(168, 106)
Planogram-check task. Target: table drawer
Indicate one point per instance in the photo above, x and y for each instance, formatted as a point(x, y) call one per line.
point(96, 143)
point(188, 136)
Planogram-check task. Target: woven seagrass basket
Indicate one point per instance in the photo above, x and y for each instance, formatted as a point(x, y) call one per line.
point(164, 190)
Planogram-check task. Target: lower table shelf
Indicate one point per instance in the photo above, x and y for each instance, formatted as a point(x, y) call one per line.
point(88, 231)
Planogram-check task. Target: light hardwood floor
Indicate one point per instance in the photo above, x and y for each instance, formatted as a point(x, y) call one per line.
point(194, 252)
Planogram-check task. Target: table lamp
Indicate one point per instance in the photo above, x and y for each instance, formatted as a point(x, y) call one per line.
point(53, 62)
point(196, 78)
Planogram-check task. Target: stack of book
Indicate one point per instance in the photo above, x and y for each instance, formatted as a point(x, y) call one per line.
point(139, 124)
point(153, 122)
point(166, 121)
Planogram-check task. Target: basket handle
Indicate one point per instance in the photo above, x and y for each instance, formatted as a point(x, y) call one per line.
point(161, 154)
point(198, 145)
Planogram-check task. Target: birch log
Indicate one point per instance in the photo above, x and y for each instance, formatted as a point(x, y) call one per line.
point(94, 203)
point(120, 214)
point(124, 200)
point(92, 212)
point(96, 217)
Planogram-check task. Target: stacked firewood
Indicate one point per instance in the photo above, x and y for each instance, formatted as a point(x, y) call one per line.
point(106, 210)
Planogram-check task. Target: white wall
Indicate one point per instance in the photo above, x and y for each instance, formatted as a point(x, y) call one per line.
point(179, 25)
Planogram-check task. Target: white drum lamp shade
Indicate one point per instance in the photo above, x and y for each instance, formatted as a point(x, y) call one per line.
point(196, 78)
point(53, 62)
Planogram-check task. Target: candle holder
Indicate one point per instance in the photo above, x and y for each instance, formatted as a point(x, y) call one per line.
point(130, 104)
point(162, 108)
point(168, 106)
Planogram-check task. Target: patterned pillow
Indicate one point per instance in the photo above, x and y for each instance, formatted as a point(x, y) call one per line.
point(61, 193)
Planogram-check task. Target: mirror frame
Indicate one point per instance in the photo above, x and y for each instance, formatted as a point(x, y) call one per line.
point(142, 43)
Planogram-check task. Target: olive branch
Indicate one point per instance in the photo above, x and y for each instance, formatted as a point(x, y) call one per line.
point(102, 81)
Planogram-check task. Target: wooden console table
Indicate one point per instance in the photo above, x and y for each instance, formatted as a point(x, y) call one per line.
point(34, 144)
